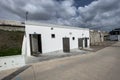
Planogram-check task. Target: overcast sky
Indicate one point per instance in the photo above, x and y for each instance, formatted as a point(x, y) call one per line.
point(94, 14)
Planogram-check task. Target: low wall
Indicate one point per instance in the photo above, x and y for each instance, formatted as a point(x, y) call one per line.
point(114, 37)
point(10, 28)
point(97, 37)
point(10, 62)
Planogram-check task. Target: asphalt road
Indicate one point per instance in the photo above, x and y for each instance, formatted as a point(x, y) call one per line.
point(101, 65)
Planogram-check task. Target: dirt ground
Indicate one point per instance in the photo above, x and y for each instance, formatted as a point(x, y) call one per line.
point(99, 65)
point(101, 46)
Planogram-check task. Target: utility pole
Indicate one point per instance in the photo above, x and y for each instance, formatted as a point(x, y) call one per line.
point(26, 16)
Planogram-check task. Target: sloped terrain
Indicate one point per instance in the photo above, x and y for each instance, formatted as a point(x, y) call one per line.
point(10, 42)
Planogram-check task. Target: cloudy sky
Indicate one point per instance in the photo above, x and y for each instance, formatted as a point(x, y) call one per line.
point(93, 14)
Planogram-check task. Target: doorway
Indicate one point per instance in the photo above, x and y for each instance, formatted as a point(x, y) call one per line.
point(80, 42)
point(66, 44)
point(86, 42)
point(35, 44)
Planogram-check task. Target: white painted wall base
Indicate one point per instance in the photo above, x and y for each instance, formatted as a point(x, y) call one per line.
point(10, 62)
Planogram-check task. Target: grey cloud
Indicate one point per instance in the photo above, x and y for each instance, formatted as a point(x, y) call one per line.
point(100, 14)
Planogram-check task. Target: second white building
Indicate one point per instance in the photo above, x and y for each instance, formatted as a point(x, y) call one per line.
point(44, 38)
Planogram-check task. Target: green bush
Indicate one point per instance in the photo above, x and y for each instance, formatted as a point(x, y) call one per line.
point(10, 51)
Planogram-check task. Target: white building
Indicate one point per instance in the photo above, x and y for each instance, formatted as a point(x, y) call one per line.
point(44, 38)
point(115, 35)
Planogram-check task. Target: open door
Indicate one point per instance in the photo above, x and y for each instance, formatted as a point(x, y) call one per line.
point(80, 42)
point(66, 45)
point(35, 44)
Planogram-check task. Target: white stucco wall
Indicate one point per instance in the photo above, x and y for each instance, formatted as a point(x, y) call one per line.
point(24, 46)
point(9, 62)
point(53, 44)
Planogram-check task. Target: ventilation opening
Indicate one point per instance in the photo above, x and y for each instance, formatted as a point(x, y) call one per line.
point(73, 38)
point(52, 35)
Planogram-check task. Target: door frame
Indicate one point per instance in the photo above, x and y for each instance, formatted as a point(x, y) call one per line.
point(80, 44)
point(66, 44)
point(39, 42)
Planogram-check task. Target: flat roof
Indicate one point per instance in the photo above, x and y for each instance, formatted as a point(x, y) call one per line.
point(53, 25)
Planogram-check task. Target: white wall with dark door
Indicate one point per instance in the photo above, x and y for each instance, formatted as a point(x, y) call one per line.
point(52, 37)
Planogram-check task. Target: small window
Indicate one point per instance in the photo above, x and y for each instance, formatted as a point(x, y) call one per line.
point(52, 35)
point(70, 33)
point(73, 38)
point(51, 28)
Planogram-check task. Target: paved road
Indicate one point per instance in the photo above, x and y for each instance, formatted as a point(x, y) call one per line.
point(101, 65)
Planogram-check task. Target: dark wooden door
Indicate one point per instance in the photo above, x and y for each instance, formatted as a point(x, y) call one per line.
point(66, 45)
point(80, 42)
point(86, 42)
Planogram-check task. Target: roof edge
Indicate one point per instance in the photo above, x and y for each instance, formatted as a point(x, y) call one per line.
point(53, 25)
